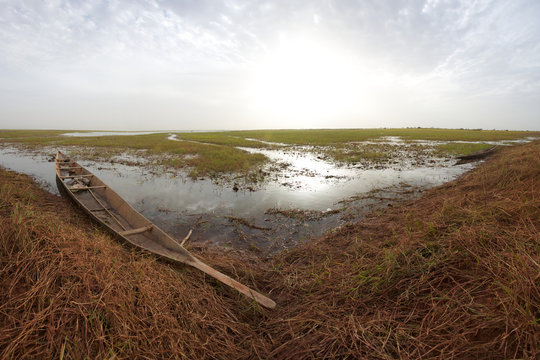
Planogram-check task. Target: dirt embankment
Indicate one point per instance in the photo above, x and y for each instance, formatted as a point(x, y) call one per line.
point(453, 274)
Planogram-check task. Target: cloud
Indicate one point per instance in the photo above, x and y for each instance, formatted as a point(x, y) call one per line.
point(197, 57)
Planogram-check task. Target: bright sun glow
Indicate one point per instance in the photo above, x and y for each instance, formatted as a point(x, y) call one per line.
point(308, 80)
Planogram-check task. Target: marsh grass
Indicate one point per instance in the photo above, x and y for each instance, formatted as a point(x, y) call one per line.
point(210, 160)
point(336, 136)
point(28, 134)
point(220, 138)
point(215, 154)
point(293, 137)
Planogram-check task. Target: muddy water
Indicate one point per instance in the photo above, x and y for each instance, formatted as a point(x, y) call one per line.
point(304, 195)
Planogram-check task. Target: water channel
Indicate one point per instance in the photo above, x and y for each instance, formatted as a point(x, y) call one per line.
point(304, 197)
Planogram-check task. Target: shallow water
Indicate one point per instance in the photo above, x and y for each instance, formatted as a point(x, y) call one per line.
point(298, 179)
point(309, 182)
point(109, 133)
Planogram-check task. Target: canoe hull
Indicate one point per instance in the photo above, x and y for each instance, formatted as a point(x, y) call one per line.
point(108, 209)
point(478, 155)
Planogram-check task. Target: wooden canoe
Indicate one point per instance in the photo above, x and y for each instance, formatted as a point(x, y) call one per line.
point(107, 208)
point(478, 155)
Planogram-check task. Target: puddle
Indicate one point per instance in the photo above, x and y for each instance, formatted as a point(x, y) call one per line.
point(266, 142)
point(303, 196)
point(174, 137)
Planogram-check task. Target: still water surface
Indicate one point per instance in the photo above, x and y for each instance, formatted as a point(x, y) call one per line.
point(307, 182)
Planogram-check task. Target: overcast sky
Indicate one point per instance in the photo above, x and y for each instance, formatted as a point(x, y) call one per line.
point(242, 64)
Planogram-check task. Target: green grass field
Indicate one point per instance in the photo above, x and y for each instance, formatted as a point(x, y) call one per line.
point(220, 138)
point(205, 160)
point(336, 136)
point(217, 153)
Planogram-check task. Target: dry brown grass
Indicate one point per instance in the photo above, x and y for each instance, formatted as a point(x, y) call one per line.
point(454, 274)
point(69, 290)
